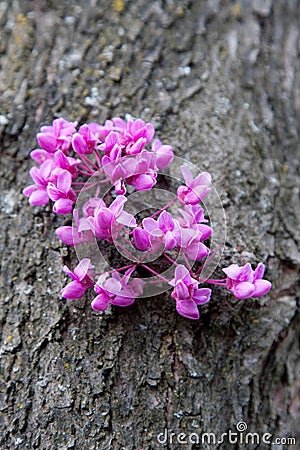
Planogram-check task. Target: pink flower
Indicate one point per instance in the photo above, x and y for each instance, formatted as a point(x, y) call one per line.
point(90, 206)
point(85, 141)
point(192, 216)
point(42, 176)
point(75, 235)
point(165, 228)
point(116, 290)
point(117, 170)
point(196, 189)
point(141, 239)
point(107, 221)
point(244, 282)
point(130, 137)
point(112, 145)
point(101, 131)
point(40, 155)
point(134, 134)
point(62, 194)
point(187, 294)
point(66, 163)
point(83, 278)
point(135, 171)
point(58, 136)
point(163, 154)
point(189, 241)
point(143, 176)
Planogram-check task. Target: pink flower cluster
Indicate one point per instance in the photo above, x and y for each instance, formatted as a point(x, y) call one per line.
point(126, 154)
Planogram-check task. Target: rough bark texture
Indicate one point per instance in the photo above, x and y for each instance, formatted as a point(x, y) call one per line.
point(221, 82)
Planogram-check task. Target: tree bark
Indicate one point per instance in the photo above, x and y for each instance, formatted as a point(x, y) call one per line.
point(220, 81)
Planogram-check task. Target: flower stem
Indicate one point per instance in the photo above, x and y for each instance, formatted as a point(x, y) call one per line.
point(129, 255)
point(89, 186)
point(187, 262)
point(122, 268)
point(155, 273)
point(171, 260)
point(88, 161)
point(209, 258)
point(82, 171)
point(162, 209)
point(98, 157)
point(218, 282)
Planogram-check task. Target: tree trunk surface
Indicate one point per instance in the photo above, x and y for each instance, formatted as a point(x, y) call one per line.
point(220, 81)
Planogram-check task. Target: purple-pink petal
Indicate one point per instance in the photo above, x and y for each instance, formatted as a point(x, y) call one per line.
point(40, 155)
point(261, 287)
point(79, 144)
point(29, 190)
point(259, 272)
point(123, 301)
point(47, 142)
point(141, 239)
point(63, 206)
point(166, 222)
point(202, 296)
point(69, 273)
point(117, 205)
point(68, 235)
point(64, 181)
point(151, 226)
point(144, 182)
point(101, 302)
point(127, 219)
point(180, 291)
point(205, 231)
point(113, 286)
point(39, 197)
point(187, 175)
point(83, 268)
point(188, 309)
point(232, 271)
point(73, 290)
point(170, 241)
point(243, 290)
point(53, 192)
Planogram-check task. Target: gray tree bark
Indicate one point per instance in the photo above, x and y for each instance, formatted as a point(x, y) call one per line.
point(220, 80)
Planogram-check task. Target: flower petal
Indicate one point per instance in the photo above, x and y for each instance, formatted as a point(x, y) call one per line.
point(47, 142)
point(151, 226)
point(29, 190)
point(261, 287)
point(53, 192)
point(187, 175)
point(63, 206)
point(259, 272)
point(112, 286)
point(73, 290)
point(64, 181)
point(243, 290)
point(127, 219)
point(101, 302)
point(141, 239)
point(201, 296)
point(188, 309)
point(68, 235)
point(79, 144)
point(39, 197)
point(123, 301)
point(83, 268)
